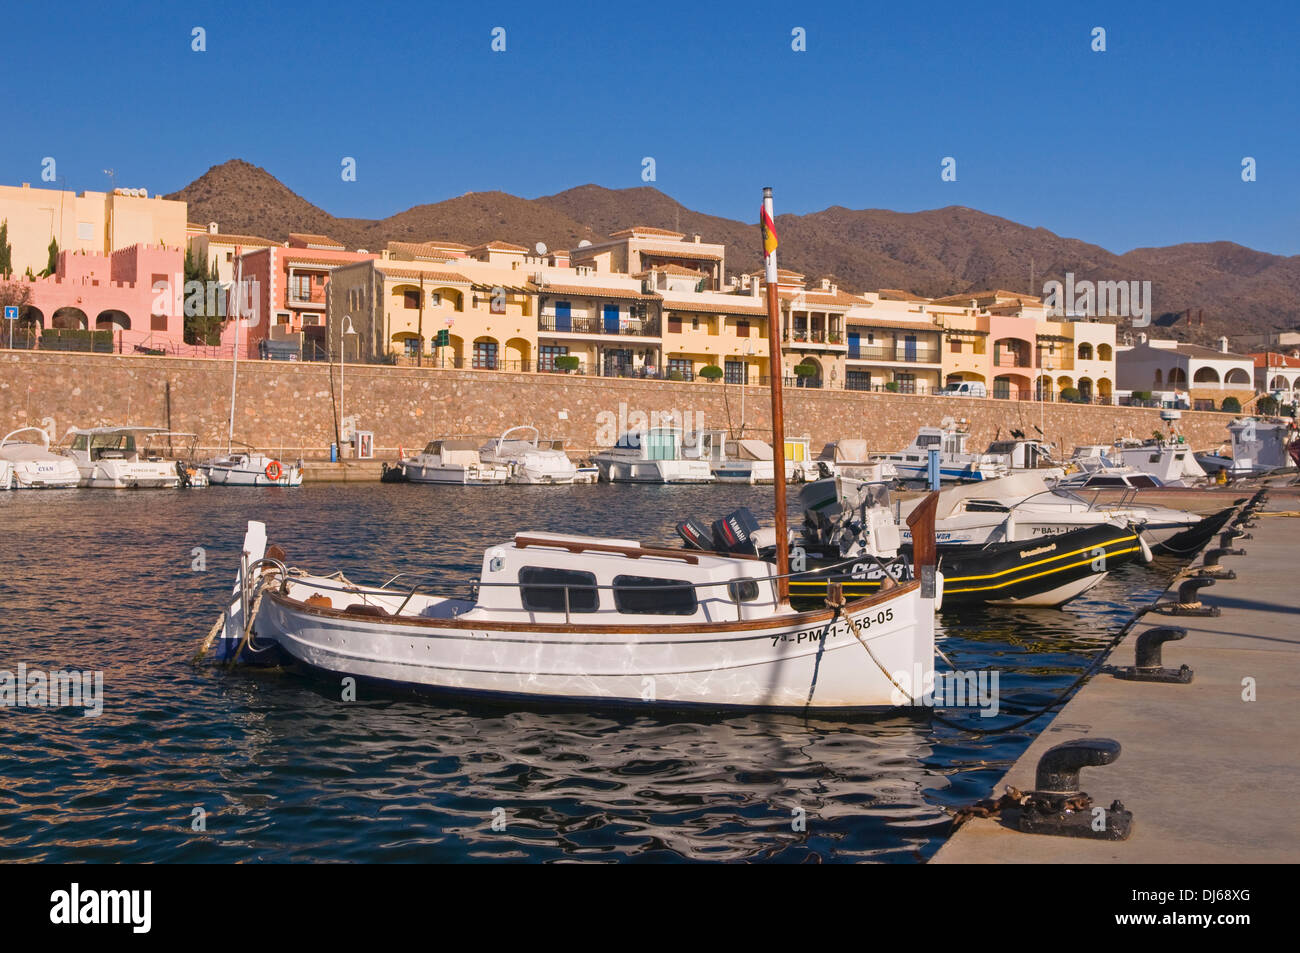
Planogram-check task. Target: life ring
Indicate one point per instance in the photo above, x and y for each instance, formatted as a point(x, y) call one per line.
point(274, 471)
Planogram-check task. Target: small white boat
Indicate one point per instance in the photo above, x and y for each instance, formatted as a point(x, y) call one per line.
point(1256, 447)
point(532, 460)
point(656, 455)
point(955, 463)
point(453, 460)
point(589, 620)
point(751, 461)
point(251, 468)
point(1022, 507)
point(28, 465)
point(119, 458)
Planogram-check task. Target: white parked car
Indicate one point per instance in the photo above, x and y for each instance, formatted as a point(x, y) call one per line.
point(965, 389)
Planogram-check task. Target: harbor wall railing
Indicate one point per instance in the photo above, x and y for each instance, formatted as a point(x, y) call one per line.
point(286, 404)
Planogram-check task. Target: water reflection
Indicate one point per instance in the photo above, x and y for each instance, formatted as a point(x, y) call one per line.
point(284, 771)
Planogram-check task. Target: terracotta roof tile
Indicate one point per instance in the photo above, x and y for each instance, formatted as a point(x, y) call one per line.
point(742, 305)
point(583, 291)
point(308, 239)
point(645, 230)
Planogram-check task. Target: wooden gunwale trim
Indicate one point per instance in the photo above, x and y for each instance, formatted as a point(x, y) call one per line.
point(796, 619)
point(632, 552)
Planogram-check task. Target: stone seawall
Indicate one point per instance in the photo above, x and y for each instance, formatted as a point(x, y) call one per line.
point(287, 406)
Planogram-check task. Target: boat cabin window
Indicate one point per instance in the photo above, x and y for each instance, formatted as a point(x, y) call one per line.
point(1143, 482)
point(646, 595)
point(1105, 481)
point(433, 448)
point(928, 439)
point(542, 590)
point(986, 506)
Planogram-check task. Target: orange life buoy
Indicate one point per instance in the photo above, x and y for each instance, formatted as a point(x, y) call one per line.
point(273, 470)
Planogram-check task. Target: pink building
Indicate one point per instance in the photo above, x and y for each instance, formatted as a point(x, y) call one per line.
point(287, 284)
point(127, 292)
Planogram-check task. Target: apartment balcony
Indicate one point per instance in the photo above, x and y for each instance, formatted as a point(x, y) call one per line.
point(815, 337)
point(293, 301)
point(636, 327)
point(898, 354)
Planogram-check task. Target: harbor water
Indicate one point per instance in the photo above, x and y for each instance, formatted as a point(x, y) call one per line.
point(198, 764)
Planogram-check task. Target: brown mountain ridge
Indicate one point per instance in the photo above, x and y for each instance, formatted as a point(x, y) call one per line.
point(1241, 292)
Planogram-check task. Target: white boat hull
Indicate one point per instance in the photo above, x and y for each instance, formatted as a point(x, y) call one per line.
point(456, 475)
point(122, 475)
point(655, 471)
point(786, 662)
point(222, 476)
point(44, 475)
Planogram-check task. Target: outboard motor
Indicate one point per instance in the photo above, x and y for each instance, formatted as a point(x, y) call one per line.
point(734, 533)
point(694, 533)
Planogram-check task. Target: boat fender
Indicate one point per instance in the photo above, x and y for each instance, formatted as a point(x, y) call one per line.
point(320, 600)
point(274, 471)
point(1146, 553)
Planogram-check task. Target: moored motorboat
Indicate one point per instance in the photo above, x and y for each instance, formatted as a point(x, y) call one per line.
point(31, 465)
point(454, 460)
point(532, 460)
point(656, 455)
point(120, 458)
point(251, 467)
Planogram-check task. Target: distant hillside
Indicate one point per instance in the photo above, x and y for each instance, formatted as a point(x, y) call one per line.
point(934, 253)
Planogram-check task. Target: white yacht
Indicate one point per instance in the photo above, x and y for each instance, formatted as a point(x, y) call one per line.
point(1022, 506)
point(656, 455)
point(533, 460)
point(453, 460)
point(251, 467)
point(26, 465)
point(120, 458)
point(955, 463)
point(751, 461)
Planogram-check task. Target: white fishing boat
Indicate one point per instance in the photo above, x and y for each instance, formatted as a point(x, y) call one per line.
point(453, 460)
point(598, 621)
point(31, 465)
point(592, 620)
point(251, 467)
point(751, 461)
point(955, 463)
point(121, 458)
point(532, 460)
point(656, 455)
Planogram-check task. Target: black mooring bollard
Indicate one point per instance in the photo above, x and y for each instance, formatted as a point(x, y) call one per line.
point(1058, 806)
point(1148, 652)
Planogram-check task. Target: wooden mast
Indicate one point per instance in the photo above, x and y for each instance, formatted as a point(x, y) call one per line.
point(775, 368)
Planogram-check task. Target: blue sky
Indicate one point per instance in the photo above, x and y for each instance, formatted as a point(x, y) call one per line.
point(1140, 145)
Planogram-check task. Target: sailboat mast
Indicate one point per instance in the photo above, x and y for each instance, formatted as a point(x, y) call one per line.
point(236, 293)
point(775, 368)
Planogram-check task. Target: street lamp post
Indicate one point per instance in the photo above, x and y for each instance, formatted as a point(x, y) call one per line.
point(345, 327)
point(1044, 382)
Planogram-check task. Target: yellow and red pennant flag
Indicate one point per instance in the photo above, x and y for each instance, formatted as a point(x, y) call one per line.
point(769, 230)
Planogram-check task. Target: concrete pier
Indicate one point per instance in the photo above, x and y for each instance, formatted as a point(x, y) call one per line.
point(1209, 776)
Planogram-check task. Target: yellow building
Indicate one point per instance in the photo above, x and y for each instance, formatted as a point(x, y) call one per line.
point(92, 222)
point(893, 344)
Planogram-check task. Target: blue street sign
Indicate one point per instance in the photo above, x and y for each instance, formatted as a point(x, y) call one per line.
point(11, 312)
